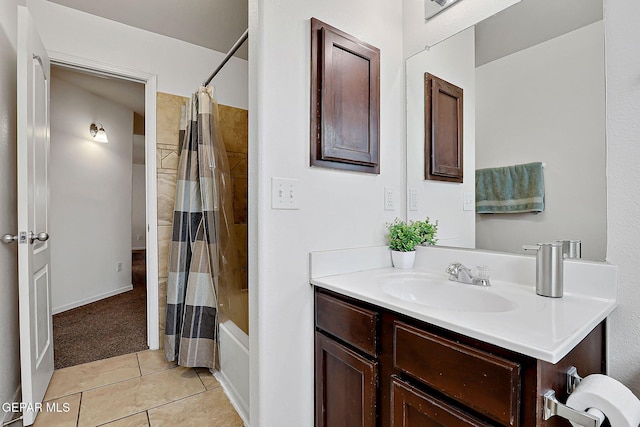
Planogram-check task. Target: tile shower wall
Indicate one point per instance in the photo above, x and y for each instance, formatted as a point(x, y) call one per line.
point(234, 127)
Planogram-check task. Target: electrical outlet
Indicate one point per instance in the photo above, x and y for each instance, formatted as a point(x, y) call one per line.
point(389, 199)
point(413, 199)
point(118, 267)
point(284, 193)
point(468, 203)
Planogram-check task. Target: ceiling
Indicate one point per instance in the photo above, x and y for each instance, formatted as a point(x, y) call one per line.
point(123, 92)
point(214, 24)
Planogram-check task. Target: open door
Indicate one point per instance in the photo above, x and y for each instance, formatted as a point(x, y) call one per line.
point(36, 322)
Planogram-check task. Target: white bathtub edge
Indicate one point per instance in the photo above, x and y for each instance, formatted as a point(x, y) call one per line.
point(234, 368)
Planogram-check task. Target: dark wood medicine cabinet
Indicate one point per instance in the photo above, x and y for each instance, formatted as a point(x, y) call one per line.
point(443, 130)
point(345, 101)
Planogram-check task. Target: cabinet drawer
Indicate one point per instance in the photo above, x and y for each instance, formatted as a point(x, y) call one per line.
point(479, 380)
point(414, 408)
point(352, 324)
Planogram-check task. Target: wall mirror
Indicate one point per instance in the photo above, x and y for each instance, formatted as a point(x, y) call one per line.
point(534, 85)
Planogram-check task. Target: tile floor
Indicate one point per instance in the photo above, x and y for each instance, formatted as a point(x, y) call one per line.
point(136, 390)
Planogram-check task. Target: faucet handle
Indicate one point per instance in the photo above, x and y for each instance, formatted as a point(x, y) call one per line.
point(482, 276)
point(453, 268)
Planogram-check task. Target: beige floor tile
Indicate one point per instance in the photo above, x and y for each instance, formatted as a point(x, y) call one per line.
point(210, 382)
point(126, 398)
point(153, 361)
point(91, 375)
point(137, 420)
point(61, 412)
point(209, 409)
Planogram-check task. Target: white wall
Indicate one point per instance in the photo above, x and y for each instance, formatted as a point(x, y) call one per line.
point(181, 67)
point(454, 61)
point(138, 206)
point(90, 193)
point(547, 103)
point(623, 183)
point(9, 353)
point(338, 209)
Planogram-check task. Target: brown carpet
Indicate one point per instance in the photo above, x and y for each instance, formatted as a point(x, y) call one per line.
point(106, 328)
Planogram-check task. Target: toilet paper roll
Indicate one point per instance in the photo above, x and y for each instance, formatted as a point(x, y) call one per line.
point(612, 398)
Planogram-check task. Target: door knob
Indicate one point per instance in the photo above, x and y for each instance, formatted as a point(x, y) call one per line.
point(42, 237)
point(9, 238)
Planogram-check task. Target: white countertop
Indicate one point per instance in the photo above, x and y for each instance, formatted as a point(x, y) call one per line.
point(540, 327)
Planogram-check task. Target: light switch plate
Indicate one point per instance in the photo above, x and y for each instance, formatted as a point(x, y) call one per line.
point(284, 193)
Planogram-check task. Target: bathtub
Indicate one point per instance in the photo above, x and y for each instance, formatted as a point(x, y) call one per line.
point(234, 367)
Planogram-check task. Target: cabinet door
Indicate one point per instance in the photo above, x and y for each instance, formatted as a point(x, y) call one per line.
point(413, 408)
point(443, 130)
point(345, 101)
point(346, 386)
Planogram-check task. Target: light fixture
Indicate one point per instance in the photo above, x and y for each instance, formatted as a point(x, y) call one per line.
point(434, 7)
point(98, 133)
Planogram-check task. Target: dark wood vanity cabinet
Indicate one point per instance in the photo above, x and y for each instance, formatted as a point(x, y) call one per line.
point(346, 374)
point(375, 367)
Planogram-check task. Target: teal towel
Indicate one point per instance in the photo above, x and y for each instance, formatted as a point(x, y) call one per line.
point(510, 189)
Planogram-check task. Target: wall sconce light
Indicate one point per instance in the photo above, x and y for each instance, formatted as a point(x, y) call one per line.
point(98, 133)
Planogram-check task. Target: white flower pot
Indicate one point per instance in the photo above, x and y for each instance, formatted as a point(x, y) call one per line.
point(403, 260)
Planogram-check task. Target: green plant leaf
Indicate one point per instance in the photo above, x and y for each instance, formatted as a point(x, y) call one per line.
point(404, 237)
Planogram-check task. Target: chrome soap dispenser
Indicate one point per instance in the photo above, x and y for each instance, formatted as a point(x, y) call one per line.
point(549, 268)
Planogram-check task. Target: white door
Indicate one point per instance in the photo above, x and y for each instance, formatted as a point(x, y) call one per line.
point(36, 326)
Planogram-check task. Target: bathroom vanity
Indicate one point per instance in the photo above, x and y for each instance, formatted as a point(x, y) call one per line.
point(388, 355)
point(376, 367)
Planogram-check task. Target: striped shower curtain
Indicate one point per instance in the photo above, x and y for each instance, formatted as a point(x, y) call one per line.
point(200, 256)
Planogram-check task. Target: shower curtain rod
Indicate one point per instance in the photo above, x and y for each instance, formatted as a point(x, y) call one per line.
point(226, 59)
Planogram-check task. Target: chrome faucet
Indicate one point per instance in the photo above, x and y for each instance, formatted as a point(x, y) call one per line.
point(460, 273)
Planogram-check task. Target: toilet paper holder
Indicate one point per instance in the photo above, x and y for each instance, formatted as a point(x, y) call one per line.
point(554, 407)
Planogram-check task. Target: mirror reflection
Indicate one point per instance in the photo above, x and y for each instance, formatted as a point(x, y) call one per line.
point(534, 91)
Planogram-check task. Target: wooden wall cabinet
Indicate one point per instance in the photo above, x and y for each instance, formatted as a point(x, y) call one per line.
point(377, 368)
point(345, 101)
point(443, 130)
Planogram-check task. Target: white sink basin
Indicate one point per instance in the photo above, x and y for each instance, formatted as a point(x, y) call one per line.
point(443, 294)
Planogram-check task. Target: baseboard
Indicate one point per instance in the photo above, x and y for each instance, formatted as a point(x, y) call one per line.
point(234, 396)
point(9, 416)
point(139, 249)
point(89, 300)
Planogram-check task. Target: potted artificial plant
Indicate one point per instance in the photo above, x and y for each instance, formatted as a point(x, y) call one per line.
point(405, 236)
